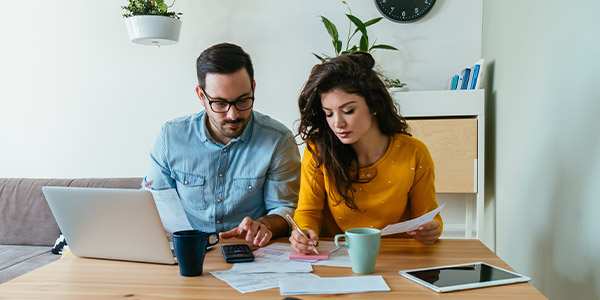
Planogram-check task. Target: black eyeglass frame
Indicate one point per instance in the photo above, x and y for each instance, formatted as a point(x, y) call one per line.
point(229, 103)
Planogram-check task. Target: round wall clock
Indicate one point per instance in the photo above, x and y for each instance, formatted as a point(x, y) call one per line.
point(404, 10)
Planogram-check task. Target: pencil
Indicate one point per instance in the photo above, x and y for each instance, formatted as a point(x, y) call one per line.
point(301, 232)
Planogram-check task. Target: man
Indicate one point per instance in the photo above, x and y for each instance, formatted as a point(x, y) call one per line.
point(236, 170)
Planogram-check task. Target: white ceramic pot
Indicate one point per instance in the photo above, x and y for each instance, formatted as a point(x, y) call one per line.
point(398, 89)
point(153, 30)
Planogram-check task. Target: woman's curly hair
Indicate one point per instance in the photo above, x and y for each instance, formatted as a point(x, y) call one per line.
point(352, 73)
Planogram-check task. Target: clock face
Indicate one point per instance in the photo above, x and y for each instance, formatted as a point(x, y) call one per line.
point(404, 10)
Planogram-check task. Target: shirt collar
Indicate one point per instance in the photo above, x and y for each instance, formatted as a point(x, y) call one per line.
point(203, 132)
point(247, 133)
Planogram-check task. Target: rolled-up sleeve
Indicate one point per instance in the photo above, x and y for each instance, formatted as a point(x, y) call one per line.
point(283, 178)
point(159, 175)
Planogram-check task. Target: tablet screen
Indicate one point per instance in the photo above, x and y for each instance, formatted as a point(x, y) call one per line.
point(456, 277)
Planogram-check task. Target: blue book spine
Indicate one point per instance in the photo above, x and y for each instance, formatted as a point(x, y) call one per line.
point(454, 82)
point(475, 75)
point(465, 74)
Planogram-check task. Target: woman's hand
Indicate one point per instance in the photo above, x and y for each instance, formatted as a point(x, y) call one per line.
point(427, 233)
point(302, 244)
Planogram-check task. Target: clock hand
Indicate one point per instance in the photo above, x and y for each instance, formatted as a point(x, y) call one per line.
point(413, 4)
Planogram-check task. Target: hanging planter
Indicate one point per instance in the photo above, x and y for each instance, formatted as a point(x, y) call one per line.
point(150, 23)
point(153, 30)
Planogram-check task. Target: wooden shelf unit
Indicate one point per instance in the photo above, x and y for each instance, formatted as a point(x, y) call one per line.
point(452, 125)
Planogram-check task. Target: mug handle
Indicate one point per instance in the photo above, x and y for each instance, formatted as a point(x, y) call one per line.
point(209, 244)
point(345, 244)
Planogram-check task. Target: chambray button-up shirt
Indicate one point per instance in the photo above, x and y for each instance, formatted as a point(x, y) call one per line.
point(256, 174)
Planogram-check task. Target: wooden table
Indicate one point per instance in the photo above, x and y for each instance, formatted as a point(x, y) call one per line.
point(84, 278)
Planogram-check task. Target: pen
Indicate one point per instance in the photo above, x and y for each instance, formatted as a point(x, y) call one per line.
point(301, 232)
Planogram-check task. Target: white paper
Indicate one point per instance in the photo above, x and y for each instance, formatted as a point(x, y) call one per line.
point(411, 224)
point(170, 210)
point(338, 258)
point(267, 266)
point(332, 285)
point(248, 282)
point(282, 251)
point(274, 252)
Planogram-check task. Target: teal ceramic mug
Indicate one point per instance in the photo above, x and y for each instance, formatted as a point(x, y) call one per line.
point(363, 247)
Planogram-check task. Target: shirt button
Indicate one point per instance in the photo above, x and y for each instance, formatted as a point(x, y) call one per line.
point(224, 149)
point(219, 200)
point(220, 175)
point(185, 182)
point(218, 222)
point(249, 187)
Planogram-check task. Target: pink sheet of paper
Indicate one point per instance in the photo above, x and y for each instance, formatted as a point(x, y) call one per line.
point(323, 255)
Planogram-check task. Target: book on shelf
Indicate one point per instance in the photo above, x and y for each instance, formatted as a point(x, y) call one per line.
point(469, 78)
point(474, 77)
point(480, 78)
point(454, 83)
point(466, 77)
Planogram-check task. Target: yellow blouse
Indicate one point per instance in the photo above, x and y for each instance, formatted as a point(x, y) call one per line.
point(403, 178)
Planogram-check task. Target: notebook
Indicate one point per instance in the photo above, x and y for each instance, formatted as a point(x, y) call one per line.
point(121, 224)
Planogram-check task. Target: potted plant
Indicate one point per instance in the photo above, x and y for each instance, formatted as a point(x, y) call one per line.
point(364, 44)
point(395, 85)
point(360, 26)
point(149, 22)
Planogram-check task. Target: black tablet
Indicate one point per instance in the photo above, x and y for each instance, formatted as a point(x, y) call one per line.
point(462, 277)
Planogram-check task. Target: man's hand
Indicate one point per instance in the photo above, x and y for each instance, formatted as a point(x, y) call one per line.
point(427, 233)
point(251, 231)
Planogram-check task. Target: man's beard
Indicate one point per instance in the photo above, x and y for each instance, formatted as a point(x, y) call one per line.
point(228, 133)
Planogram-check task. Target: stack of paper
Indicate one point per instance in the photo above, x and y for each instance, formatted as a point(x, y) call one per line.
point(263, 274)
point(332, 285)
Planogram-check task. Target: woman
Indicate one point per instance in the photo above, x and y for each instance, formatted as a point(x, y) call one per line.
point(349, 122)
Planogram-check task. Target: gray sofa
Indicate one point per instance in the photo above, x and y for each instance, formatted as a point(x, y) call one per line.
point(27, 227)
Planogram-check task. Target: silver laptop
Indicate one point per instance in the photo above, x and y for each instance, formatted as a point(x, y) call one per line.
point(121, 224)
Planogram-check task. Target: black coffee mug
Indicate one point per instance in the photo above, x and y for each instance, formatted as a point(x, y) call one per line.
point(190, 249)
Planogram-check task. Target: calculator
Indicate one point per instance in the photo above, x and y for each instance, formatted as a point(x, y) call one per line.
point(237, 253)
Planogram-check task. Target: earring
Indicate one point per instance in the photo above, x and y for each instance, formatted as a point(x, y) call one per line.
point(375, 113)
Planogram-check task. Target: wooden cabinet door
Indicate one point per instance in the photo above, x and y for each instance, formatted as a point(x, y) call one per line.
point(452, 143)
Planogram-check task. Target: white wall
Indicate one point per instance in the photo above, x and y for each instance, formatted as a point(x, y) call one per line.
point(543, 93)
point(77, 99)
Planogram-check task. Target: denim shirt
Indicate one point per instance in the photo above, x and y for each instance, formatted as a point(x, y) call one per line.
point(255, 174)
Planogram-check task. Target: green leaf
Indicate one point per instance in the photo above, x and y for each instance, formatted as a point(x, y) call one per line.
point(163, 8)
point(364, 43)
point(338, 46)
point(318, 57)
point(372, 21)
point(331, 29)
point(358, 23)
point(351, 50)
point(382, 46)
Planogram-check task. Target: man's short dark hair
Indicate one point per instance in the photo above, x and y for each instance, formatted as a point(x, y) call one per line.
point(224, 58)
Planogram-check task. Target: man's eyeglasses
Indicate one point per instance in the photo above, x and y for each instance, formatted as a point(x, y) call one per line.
point(221, 106)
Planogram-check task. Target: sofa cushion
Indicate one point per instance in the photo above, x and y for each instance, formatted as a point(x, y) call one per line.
point(12, 255)
point(116, 183)
point(18, 260)
point(26, 218)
